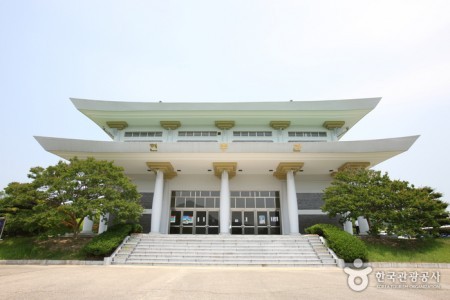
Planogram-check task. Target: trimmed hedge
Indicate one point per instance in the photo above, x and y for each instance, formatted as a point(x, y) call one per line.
point(104, 244)
point(345, 245)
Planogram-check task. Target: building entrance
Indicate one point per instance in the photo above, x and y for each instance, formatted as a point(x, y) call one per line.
point(255, 222)
point(194, 222)
point(252, 212)
point(255, 212)
point(194, 212)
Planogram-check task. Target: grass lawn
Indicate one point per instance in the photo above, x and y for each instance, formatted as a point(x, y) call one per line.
point(32, 248)
point(397, 250)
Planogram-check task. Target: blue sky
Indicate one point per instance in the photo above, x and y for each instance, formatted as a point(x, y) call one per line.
point(227, 51)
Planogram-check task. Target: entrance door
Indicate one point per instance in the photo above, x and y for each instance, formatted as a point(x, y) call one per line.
point(194, 222)
point(200, 222)
point(262, 222)
point(187, 222)
point(249, 222)
point(236, 222)
point(213, 222)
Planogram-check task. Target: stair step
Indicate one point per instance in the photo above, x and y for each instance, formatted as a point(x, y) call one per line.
point(292, 251)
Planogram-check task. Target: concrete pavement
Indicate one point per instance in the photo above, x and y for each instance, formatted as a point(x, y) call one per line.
point(141, 282)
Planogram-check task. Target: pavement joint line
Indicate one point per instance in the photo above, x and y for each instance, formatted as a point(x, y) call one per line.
point(99, 262)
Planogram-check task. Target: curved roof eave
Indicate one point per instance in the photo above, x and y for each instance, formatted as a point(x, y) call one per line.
point(299, 113)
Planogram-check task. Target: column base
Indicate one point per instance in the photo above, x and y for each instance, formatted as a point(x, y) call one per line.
point(155, 233)
point(87, 233)
point(295, 233)
point(224, 233)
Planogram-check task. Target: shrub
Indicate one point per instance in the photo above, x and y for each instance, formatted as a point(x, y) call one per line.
point(345, 245)
point(104, 244)
point(137, 228)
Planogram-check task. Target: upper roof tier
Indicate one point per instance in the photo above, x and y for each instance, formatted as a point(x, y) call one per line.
point(298, 113)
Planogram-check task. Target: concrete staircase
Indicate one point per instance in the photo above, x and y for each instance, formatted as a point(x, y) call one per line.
point(233, 250)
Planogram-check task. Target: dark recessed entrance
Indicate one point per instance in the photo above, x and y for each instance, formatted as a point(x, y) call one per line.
point(252, 212)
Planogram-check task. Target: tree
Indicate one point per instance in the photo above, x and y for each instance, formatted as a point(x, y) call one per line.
point(21, 204)
point(64, 194)
point(394, 205)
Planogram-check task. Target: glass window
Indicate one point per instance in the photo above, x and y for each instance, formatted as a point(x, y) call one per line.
point(209, 203)
point(250, 203)
point(200, 202)
point(217, 202)
point(260, 203)
point(277, 202)
point(270, 202)
point(190, 202)
point(179, 202)
point(240, 202)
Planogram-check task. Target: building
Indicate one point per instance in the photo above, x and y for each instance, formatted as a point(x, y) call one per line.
point(230, 168)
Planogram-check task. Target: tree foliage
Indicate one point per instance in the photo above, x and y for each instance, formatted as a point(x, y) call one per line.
point(63, 194)
point(22, 205)
point(393, 205)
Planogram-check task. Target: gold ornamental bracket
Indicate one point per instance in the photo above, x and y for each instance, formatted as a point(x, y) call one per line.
point(354, 166)
point(119, 125)
point(280, 125)
point(333, 124)
point(284, 167)
point(230, 167)
point(165, 167)
point(170, 125)
point(224, 125)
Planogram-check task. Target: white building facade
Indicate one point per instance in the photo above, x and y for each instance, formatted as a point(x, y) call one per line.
point(231, 168)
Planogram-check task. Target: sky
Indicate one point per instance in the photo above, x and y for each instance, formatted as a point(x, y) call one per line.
point(227, 51)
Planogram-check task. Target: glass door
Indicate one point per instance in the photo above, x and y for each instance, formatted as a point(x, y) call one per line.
point(262, 222)
point(249, 222)
point(274, 225)
point(175, 222)
point(236, 222)
point(200, 222)
point(187, 222)
point(213, 222)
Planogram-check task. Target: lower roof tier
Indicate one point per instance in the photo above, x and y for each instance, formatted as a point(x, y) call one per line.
point(251, 158)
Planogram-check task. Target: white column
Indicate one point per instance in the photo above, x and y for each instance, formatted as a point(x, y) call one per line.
point(157, 202)
point(363, 225)
point(348, 227)
point(87, 226)
point(103, 225)
point(224, 204)
point(292, 202)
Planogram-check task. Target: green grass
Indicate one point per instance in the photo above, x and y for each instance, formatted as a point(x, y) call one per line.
point(396, 250)
point(32, 248)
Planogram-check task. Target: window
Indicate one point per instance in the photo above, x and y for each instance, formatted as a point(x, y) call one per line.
point(143, 134)
point(197, 133)
point(252, 133)
point(307, 134)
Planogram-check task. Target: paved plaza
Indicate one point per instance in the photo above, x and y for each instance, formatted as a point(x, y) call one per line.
point(142, 282)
